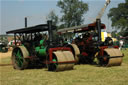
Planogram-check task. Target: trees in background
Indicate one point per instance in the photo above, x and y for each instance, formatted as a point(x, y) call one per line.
point(52, 16)
point(119, 18)
point(73, 11)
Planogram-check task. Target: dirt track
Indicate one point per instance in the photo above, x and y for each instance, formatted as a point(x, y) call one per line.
point(4, 55)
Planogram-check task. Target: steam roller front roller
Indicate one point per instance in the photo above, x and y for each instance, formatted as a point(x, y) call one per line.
point(69, 57)
point(75, 51)
point(64, 61)
point(19, 56)
point(112, 57)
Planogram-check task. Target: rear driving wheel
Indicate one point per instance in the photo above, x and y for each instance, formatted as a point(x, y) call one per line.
point(19, 58)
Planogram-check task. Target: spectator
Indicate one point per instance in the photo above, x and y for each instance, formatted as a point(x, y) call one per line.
point(121, 44)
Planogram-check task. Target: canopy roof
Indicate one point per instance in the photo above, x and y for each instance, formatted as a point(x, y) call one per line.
point(33, 29)
point(80, 28)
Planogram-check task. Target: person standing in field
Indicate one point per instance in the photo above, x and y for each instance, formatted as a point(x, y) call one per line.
point(121, 44)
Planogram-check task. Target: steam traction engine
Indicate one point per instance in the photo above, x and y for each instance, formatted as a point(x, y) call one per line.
point(39, 49)
point(88, 46)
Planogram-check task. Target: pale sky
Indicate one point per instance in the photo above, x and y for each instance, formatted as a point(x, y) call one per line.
point(12, 12)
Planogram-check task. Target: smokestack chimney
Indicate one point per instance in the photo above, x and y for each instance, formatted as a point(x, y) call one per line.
point(98, 25)
point(50, 32)
point(25, 22)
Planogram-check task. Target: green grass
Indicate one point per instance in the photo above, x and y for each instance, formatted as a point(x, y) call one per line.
point(125, 59)
point(81, 75)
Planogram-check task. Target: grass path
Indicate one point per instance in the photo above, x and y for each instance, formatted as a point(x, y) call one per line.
point(81, 75)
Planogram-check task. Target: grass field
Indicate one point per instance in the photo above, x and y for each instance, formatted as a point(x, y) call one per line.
point(81, 75)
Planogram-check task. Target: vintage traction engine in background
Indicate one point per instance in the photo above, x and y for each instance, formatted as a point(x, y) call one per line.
point(88, 46)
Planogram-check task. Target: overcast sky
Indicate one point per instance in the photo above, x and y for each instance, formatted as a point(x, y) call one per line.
point(12, 12)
